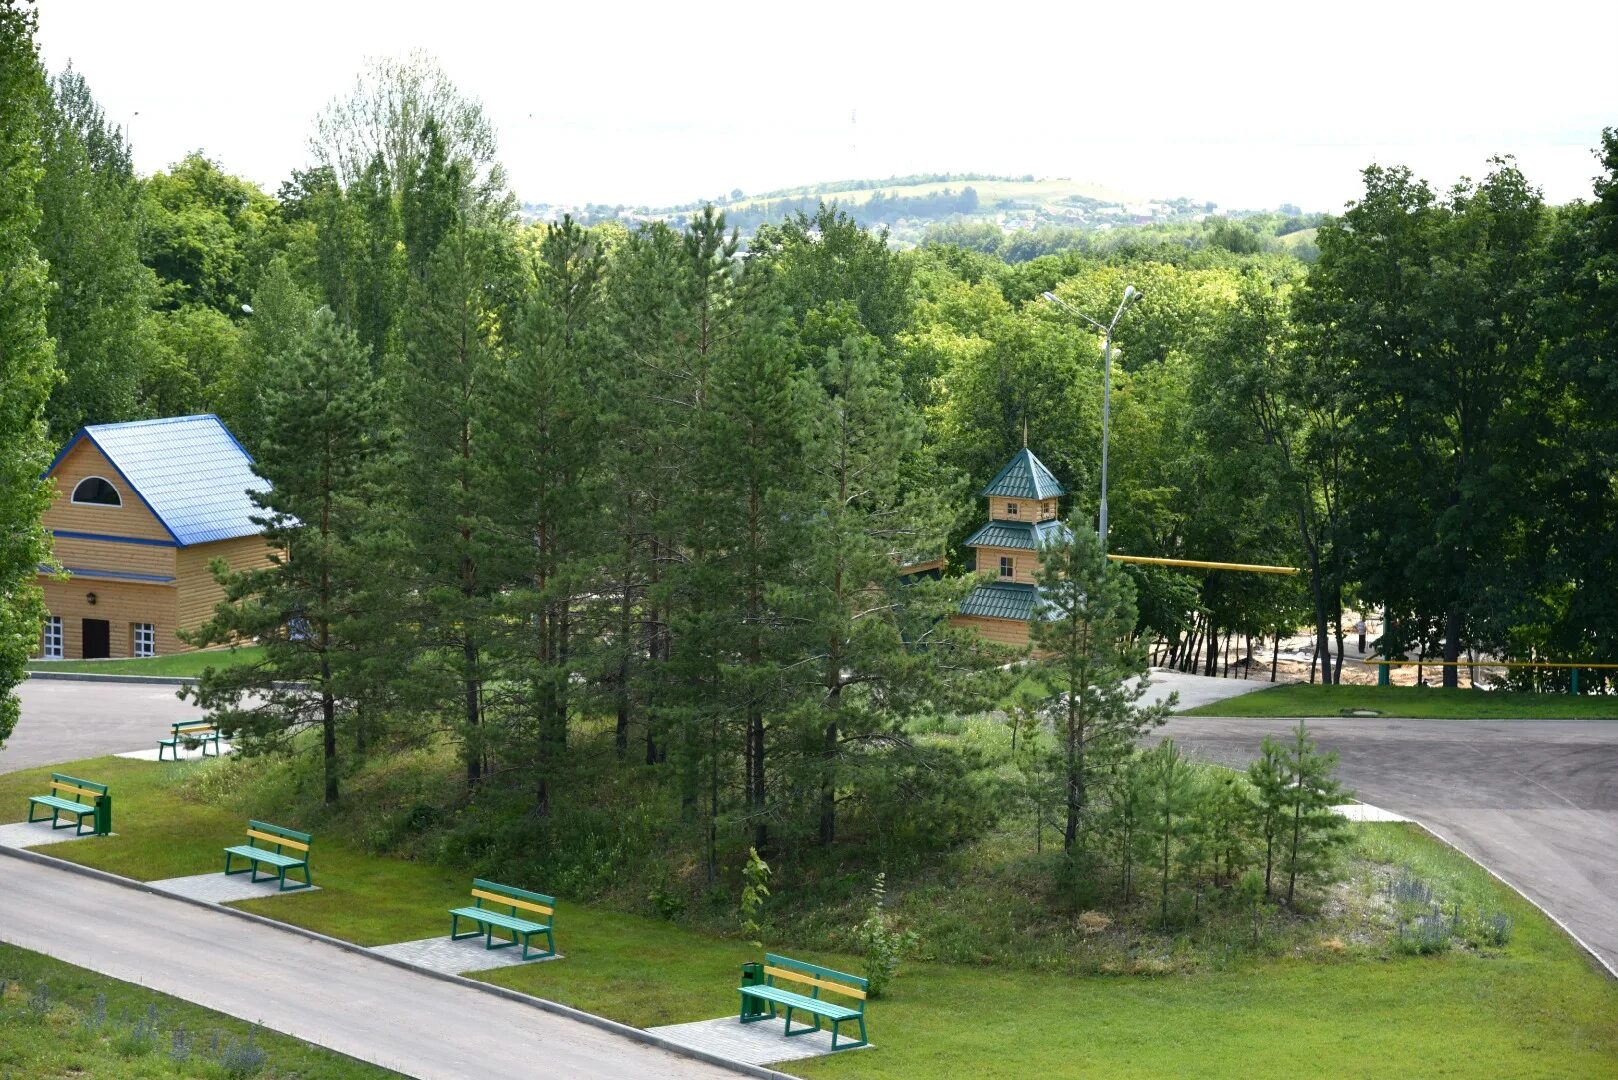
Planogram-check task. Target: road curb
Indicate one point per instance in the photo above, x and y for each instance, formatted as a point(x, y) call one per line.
point(639, 1035)
point(92, 677)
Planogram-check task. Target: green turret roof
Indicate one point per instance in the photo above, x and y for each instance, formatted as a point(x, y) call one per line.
point(1028, 535)
point(1002, 600)
point(1025, 477)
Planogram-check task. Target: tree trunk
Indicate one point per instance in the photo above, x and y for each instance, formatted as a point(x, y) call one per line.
point(1452, 648)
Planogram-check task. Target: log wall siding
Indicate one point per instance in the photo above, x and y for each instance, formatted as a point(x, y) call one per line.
point(199, 592)
point(130, 519)
point(121, 604)
point(1012, 632)
point(83, 554)
point(1023, 564)
point(1027, 509)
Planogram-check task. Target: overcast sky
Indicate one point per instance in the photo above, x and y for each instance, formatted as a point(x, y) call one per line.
point(1246, 104)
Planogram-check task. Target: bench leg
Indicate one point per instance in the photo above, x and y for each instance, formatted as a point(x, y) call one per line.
point(527, 945)
point(295, 886)
point(802, 1030)
point(454, 923)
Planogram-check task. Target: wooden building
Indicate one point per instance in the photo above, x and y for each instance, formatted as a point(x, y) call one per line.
point(1024, 512)
point(141, 509)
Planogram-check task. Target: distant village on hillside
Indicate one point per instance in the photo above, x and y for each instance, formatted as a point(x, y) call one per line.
point(913, 208)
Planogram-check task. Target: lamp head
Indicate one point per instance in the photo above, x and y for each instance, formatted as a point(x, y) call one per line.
point(1051, 297)
point(1131, 294)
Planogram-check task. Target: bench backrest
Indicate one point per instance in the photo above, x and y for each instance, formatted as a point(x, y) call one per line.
point(814, 976)
point(263, 834)
point(195, 727)
point(518, 900)
point(71, 787)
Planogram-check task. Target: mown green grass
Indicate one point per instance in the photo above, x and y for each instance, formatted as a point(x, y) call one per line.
point(1535, 1008)
point(1415, 702)
point(60, 1031)
point(187, 665)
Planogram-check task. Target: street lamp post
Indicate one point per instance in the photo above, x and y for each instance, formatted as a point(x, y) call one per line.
point(1131, 294)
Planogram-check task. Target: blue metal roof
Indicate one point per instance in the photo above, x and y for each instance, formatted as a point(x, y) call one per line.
point(189, 471)
point(1027, 535)
point(1025, 477)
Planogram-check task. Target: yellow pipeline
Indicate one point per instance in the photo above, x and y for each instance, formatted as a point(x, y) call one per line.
point(1200, 565)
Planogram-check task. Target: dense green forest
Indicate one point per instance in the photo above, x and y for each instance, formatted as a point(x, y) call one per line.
point(615, 514)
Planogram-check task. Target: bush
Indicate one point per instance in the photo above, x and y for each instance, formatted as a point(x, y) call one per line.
point(885, 945)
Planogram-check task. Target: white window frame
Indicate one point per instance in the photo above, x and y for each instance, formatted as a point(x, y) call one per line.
point(1008, 566)
point(52, 647)
point(1012, 509)
point(143, 639)
point(76, 501)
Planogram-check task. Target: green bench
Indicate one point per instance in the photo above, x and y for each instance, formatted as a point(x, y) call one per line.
point(190, 732)
point(80, 798)
point(277, 848)
point(760, 1001)
point(488, 919)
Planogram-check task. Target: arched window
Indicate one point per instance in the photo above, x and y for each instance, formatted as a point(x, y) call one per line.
point(94, 491)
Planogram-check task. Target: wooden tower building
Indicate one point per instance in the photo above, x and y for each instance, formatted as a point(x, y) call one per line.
point(1024, 512)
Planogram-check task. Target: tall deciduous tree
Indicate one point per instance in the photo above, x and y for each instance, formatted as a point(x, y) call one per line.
point(1428, 303)
point(102, 291)
point(26, 364)
point(318, 453)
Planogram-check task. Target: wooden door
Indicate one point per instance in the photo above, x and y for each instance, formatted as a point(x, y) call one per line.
point(97, 639)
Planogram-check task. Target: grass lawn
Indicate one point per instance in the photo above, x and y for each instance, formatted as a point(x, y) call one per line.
point(1416, 702)
point(1535, 1008)
point(179, 664)
point(60, 1020)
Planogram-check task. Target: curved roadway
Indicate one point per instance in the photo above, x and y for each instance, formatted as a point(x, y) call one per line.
point(1536, 801)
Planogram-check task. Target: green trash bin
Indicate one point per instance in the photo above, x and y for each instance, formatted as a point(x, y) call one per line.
point(104, 815)
point(752, 1007)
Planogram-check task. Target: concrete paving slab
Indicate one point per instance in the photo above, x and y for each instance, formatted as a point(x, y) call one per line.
point(22, 834)
point(761, 1043)
point(219, 889)
point(457, 957)
point(185, 754)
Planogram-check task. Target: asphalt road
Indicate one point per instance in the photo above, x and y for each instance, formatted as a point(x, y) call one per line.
point(64, 721)
point(1536, 801)
point(348, 1002)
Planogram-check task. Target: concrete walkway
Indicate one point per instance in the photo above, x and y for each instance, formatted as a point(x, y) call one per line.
point(350, 1002)
point(1536, 801)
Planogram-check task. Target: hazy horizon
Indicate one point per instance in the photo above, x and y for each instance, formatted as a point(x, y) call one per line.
point(618, 105)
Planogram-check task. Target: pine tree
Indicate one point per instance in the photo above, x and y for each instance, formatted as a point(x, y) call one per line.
point(321, 412)
point(547, 526)
point(1269, 776)
point(874, 650)
point(1169, 822)
point(27, 369)
point(1313, 831)
point(1081, 632)
point(441, 388)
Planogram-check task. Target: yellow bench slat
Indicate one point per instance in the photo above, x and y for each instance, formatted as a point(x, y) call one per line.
point(810, 980)
point(512, 901)
point(207, 729)
point(283, 841)
point(57, 785)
